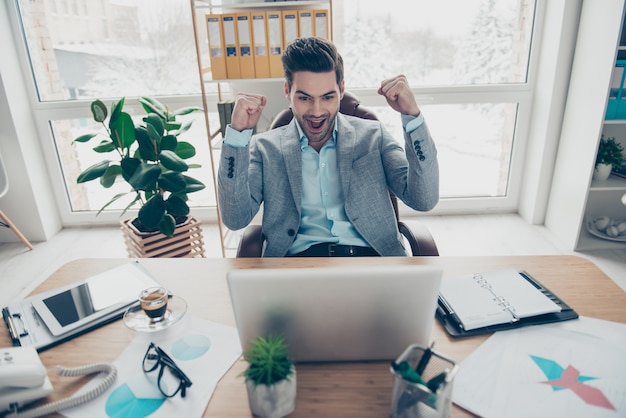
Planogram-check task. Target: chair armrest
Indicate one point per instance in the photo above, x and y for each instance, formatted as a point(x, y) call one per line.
point(420, 238)
point(251, 243)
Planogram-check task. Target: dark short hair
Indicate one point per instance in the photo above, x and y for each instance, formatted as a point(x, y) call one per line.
point(313, 54)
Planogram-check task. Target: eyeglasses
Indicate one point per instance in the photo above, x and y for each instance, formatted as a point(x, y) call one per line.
point(171, 379)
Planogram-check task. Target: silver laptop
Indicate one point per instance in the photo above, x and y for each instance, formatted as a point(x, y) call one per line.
point(337, 313)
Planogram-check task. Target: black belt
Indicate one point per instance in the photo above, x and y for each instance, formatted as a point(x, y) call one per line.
point(327, 249)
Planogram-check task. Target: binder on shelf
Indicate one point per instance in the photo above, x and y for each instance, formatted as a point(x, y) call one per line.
point(305, 21)
point(231, 45)
point(260, 51)
point(495, 301)
point(290, 27)
point(275, 42)
point(217, 52)
point(616, 106)
point(320, 29)
point(244, 37)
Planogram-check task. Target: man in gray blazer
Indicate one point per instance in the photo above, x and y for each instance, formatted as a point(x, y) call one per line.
point(324, 178)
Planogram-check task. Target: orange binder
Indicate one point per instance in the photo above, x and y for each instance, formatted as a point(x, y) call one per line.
point(321, 24)
point(244, 37)
point(275, 42)
point(217, 52)
point(290, 27)
point(231, 45)
point(260, 51)
point(305, 23)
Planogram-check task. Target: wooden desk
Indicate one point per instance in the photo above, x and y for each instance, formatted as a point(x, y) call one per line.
point(345, 389)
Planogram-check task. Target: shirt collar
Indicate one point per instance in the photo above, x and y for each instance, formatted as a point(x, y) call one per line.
point(304, 141)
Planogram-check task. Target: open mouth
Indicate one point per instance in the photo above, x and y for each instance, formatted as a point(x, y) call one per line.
point(316, 125)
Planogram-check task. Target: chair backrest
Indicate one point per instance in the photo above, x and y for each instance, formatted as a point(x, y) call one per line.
point(351, 106)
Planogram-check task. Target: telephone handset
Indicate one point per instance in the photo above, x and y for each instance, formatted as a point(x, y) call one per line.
point(23, 378)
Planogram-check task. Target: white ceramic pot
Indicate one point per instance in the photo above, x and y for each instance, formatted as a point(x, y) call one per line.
point(275, 401)
point(602, 171)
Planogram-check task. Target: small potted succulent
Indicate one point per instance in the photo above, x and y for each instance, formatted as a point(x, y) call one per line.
point(610, 157)
point(270, 378)
point(149, 157)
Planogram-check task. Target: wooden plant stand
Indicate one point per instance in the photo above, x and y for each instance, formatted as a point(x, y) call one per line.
point(187, 241)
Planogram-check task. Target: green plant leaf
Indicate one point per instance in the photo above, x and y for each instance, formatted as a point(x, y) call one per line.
point(98, 110)
point(186, 110)
point(177, 206)
point(169, 142)
point(115, 198)
point(268, 361)
point(172, 127)
point(173, 162)
point(151, 105)
point(145, 177)
point(129, 165)
point(108, 178)
point(154, 127)
point(185, 150)
point(122, 130)
point(193, 185)
point(172, 182)
point(152, 212)
point(105, 146)
point(167, 226)
point(148, 149)
point(93, 172)
point(116, 110)
point(85, 138)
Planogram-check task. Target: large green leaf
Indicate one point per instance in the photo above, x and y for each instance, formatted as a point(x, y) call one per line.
point(172, 182)
point(154, 126)
point(152, 212)
point(186, 110)
point(167, 226)
point(99, 111)
point(129, 165)
point(145, 177)
point(151, 105)
point(185, 150)
point(169, 142)
point(93, 172)
point(193, 185)
point(105, 146)
point(177, 206)
point(108, 178)
point(116, 110)
point(147, 148)
point(173, 162)
point(85, 138)
point(122, 131)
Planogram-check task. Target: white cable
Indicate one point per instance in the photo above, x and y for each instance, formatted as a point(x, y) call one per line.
point(72, 401)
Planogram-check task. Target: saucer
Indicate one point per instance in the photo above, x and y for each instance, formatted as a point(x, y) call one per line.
point(136, 319)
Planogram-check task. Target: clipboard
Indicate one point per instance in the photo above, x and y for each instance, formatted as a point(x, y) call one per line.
point(452, 324)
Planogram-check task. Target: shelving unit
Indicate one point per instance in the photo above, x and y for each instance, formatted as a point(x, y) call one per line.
point(575, 197)
point(216, 91)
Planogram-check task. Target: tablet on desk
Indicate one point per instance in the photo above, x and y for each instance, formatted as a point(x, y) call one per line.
point(52, 317)
point(70, 307)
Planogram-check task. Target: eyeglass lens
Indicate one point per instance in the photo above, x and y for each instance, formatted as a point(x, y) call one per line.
point(171, 378)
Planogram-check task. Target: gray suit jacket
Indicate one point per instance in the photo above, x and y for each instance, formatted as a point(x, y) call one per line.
point(370, 160)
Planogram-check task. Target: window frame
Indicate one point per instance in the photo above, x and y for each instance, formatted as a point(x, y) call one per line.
point(521, 93)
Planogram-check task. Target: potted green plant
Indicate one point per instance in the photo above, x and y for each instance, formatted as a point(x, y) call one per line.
point(610, 157)
point(149, 157)
point(270, 377)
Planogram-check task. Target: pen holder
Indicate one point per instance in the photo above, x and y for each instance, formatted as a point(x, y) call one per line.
point(417, 400)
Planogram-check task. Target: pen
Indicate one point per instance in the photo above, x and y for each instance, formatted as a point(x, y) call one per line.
point(447, 310)
point(421, 366)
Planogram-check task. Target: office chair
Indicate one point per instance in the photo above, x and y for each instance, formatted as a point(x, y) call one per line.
point(416, 233)
point(4, 220)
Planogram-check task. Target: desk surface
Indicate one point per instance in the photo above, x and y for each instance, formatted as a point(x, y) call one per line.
point(343, 389)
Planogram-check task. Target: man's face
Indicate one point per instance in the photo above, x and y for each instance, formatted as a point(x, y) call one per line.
point(315, 99)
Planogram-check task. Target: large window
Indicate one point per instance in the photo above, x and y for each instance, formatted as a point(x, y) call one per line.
point(467, 60)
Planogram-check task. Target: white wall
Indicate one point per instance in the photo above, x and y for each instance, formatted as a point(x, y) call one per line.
point(29, 203)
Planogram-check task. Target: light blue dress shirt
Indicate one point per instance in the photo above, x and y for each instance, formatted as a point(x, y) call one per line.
point(323, 218)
